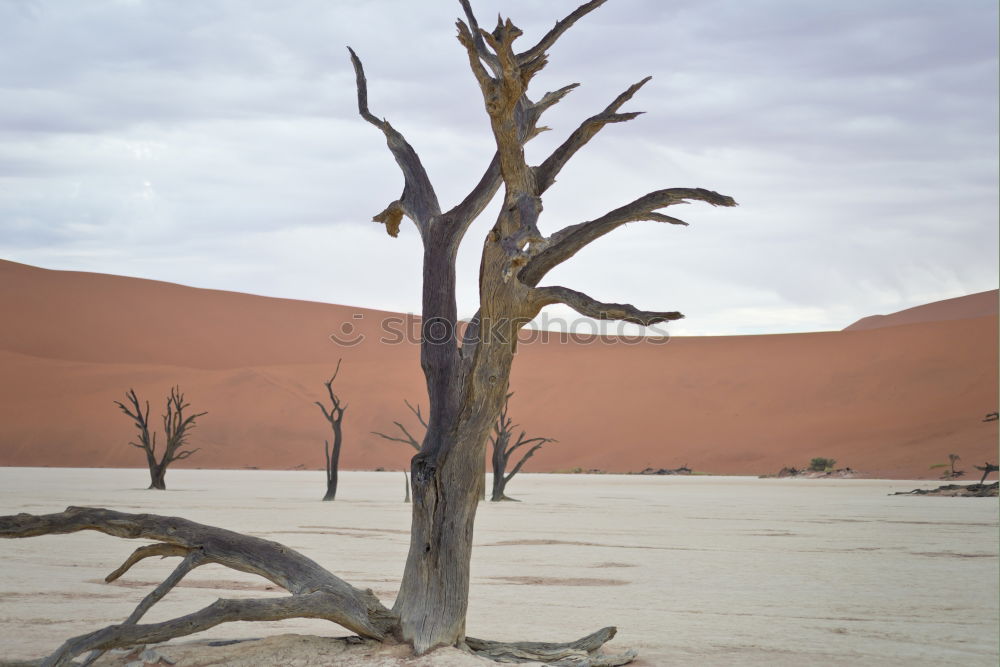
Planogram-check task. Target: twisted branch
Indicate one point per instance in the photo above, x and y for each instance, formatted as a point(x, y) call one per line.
point(316, 593)
point(419, 201)
point(407, 438)
point(176, 427)
point(550, 38)
point(545, 173)
point(568, 241)
point(591, 307)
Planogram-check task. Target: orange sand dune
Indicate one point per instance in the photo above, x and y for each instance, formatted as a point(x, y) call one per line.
point(888, 401)
point(960, 308)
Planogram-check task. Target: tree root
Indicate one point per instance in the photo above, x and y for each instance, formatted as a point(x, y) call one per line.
point(581, 653)
point(315, 592)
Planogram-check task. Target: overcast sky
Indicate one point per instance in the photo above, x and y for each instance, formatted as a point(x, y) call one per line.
point(216, 143)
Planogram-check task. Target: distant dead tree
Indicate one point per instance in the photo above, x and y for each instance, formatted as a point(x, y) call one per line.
point(952, 458)
point(335, 415)
point(407, 439)
point(175, 427)
point(987, 469)
point(500, 441)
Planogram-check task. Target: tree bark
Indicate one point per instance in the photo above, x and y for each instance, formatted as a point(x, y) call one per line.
point(447, 485)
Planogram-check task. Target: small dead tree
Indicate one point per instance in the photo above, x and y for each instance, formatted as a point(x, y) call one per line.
point(175, 428)
point(335, 415)
point(952, 460)
point(500, 442)
point(467, 373)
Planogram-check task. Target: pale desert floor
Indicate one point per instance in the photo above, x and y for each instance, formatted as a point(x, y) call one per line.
point(692, 570)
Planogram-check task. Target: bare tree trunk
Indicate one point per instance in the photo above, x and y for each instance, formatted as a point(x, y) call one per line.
point(335, 417)
point(499, 464)
point(157, 474)
point(332, 464)
point(433, 596)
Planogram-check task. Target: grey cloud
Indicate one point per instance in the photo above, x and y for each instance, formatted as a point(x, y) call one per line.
point(205, 142)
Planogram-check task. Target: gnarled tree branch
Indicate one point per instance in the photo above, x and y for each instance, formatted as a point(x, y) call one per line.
point(176, 427)
point(545, 173)
point(585, 305)
point(318, 604)
point(407, 438)
point(568, 241)
point(527, 113)
point(480, 45)
point(148, 551)
point(527, 455)
point(550, 38)
point(419, 201)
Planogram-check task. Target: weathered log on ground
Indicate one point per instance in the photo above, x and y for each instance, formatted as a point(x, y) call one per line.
point(683, 470)
point(580, 653)
point(963, 490)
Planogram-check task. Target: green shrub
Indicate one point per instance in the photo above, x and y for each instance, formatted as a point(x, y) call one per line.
point(820, 464)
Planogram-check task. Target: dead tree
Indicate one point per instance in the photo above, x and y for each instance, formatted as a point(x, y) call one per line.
point(466, 379)
point(175, 428)
point(987, 469)
point(335, 415)
point(502, 448)
point(952, 460)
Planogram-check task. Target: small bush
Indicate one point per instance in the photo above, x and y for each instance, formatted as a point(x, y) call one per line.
point(820, 464)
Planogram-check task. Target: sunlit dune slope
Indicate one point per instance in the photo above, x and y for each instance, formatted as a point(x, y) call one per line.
point(888, 400)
